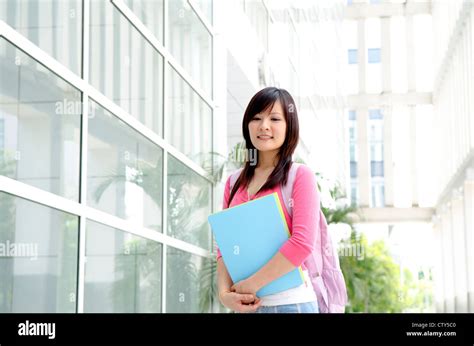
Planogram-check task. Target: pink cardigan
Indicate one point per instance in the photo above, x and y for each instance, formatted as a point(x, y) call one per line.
point(303, 225)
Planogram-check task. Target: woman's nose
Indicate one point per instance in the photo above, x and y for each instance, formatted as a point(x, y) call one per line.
point(264, 124)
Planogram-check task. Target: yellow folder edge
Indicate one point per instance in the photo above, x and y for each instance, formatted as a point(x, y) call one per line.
point(280, 209)
point(282, 215)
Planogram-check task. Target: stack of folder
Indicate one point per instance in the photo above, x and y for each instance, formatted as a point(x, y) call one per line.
point(249, 235)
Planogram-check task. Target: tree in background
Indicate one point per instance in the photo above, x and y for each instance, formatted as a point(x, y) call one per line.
point(373, 280)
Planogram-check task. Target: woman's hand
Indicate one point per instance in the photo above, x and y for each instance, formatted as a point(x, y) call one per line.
point(239, 302)
point(248, 286)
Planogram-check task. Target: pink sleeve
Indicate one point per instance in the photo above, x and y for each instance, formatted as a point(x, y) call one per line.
point(306, 207)
point(224, 206)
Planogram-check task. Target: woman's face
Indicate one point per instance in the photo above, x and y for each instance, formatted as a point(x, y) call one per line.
point(268, 128)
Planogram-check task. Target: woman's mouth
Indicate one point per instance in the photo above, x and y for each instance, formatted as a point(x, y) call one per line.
point(264, 137)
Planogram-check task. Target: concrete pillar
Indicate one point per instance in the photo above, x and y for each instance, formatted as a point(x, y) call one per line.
point(413, 156)
point(438, 275)
point(448, 266)
point(410, 44)
point(363, 164)
point(459, 251)
point(388, 155)
point(469, 234)
point(361, 54)
point(386, 51)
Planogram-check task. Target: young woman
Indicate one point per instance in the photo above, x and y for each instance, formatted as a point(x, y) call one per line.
point(270, 126)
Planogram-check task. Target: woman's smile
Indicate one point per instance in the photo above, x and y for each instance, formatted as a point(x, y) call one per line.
point(264, 137)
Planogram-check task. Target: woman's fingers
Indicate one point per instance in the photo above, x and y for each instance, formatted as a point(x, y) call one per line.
point(250, 308)
point(247, 298)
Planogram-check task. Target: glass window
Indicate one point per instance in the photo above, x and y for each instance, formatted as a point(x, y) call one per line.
point(189, 282)
point(375, 114)
point(52, 25)
point(352, 56)
point(123, 271)
point(205, 7)
point(378, 194)
point(124, 66)
point(258, 17)
point(353, 152)
point(373, 55)
point(150, 12)
point(189, 120)
point(38, 257)
point(190, 43)
point(376, 151)
point(41, 116)
point(124, 170)
point(353, 168)
point(2, 136)
point(189, 204)
point(352, 133)
point(354, 193)
point(376, 130)
point(352, 115)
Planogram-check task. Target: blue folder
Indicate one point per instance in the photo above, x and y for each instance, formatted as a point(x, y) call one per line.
point(249, 235)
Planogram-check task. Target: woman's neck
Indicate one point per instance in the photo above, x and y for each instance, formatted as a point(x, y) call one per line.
point(267, 159)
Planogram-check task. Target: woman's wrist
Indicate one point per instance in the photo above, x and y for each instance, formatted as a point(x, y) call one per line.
point(222, 292)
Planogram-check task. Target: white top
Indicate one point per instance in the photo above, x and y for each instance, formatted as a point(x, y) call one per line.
point(300, 294)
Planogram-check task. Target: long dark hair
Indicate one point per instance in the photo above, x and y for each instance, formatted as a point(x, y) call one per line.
point(261, 101)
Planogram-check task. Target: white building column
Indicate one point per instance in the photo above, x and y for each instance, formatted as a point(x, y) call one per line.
point(459, 252)
point(386, 53)
point(361, 54)
point(388, 155)
point(363, 164)
point(438, 274)
point(387, 111)
point(448, 266)
point(469, 233)
point(411, 81)
point(413, 156)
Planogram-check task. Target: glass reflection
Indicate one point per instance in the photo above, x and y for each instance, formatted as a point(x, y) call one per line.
point(123, 271)
point(124, 66)
point(38, 257)
point(124, 170)
point(40, 118)
point(189, 204)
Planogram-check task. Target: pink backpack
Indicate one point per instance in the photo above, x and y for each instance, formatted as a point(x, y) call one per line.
point(323, 263)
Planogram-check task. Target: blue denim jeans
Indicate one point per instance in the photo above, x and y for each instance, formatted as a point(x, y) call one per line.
point(305, 308)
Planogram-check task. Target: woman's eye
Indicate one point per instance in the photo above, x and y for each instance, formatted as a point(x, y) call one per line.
point(256, 118)
point(276, 119)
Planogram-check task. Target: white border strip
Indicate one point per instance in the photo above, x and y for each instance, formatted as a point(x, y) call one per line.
point(54, 66)
point(49, 199)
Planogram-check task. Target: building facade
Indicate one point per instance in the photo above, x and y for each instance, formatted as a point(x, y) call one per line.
point(106, 124)
point(453, 96)
point(410, 129)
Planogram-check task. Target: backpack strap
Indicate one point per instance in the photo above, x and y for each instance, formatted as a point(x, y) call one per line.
point(287, 190)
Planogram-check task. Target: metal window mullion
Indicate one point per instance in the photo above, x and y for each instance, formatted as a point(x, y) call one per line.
point(83, 157)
